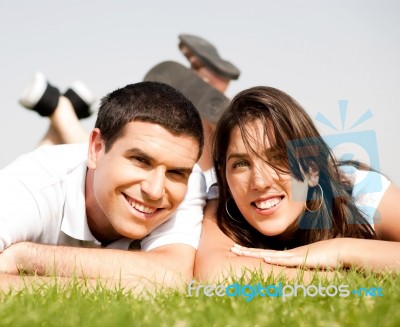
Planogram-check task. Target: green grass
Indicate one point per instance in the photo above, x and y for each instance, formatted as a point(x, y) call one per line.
point(75, 305)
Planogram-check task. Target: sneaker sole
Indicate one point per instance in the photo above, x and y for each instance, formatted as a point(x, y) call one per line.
point(209, 101)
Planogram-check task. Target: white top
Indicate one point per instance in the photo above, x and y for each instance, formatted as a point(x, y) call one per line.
point(368, 190)
point(42, 200)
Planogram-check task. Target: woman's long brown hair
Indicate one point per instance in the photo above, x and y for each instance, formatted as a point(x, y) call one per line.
point(288, 128)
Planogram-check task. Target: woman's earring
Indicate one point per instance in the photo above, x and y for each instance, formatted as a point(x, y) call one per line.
point(226, 209)
point(320, 204)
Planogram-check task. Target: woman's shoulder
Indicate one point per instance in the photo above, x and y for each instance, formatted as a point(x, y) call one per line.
point(368, 188)
point(364, 181)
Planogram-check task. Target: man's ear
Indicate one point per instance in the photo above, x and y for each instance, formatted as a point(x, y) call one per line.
point(96, 148)
point(313, 174)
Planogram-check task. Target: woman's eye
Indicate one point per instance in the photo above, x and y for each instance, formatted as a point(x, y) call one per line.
point(277, 158)
point(241, 163)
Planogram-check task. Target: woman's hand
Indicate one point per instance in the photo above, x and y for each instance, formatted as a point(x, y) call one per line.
point(322, 254)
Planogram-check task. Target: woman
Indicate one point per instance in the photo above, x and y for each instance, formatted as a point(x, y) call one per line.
point(280, 188)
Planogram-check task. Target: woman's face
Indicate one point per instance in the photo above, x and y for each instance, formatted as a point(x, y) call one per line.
point(271, 203)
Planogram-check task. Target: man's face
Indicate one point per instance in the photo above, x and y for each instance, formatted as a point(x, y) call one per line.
point(140, 181)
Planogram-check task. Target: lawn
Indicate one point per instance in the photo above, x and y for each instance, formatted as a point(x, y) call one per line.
point(375, 302)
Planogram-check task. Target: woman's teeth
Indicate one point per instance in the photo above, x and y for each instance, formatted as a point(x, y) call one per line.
point(268, 204)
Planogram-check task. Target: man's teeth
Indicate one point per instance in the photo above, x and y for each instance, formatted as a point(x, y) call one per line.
point(267, 204)
point(141, 207)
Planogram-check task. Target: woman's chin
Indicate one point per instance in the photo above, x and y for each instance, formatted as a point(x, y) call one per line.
point(275, 231)
point(284, 230)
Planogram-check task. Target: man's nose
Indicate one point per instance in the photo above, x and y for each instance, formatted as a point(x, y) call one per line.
point(154, 184)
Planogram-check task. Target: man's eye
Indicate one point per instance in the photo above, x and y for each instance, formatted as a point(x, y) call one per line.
point(141, 160)
point(241, 163)
point(177, 174)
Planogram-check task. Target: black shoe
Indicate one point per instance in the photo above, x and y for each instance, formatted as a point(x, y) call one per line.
point(39, 95)
point(81, 99)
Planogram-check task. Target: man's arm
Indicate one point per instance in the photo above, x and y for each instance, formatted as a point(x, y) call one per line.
point(168, 265)
point(169, 256)
point(9, 283)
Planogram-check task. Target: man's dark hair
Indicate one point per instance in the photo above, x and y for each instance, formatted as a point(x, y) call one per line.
point(151, 102)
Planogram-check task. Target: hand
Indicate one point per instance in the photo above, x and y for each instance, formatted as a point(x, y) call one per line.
point(322, 254)
point(8, 260)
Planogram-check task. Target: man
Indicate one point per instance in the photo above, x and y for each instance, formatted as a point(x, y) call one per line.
point(204, 84)
point(145, 144)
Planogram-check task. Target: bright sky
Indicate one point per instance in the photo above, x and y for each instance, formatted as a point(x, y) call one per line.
point(319, 52)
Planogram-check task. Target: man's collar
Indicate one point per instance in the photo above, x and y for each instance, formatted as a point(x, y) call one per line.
point(74, 222)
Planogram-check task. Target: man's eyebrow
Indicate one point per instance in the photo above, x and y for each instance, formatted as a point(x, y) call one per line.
point(140, 153)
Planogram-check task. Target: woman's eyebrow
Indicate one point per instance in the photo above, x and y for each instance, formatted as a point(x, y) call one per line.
point(273, 149)
point(237, 155)
point(241, 155)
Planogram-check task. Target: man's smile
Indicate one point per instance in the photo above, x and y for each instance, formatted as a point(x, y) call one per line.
point(139, 206)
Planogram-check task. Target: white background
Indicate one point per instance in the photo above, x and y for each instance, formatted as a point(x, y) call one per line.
point(317, 51)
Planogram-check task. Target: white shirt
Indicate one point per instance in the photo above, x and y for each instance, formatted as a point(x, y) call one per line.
point(42, 200)
point(368, 190)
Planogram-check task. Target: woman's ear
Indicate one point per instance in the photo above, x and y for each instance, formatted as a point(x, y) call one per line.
point(313, 174)
point(96, 148)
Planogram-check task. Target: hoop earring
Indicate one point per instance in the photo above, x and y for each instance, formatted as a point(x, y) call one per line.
point(320, 204)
